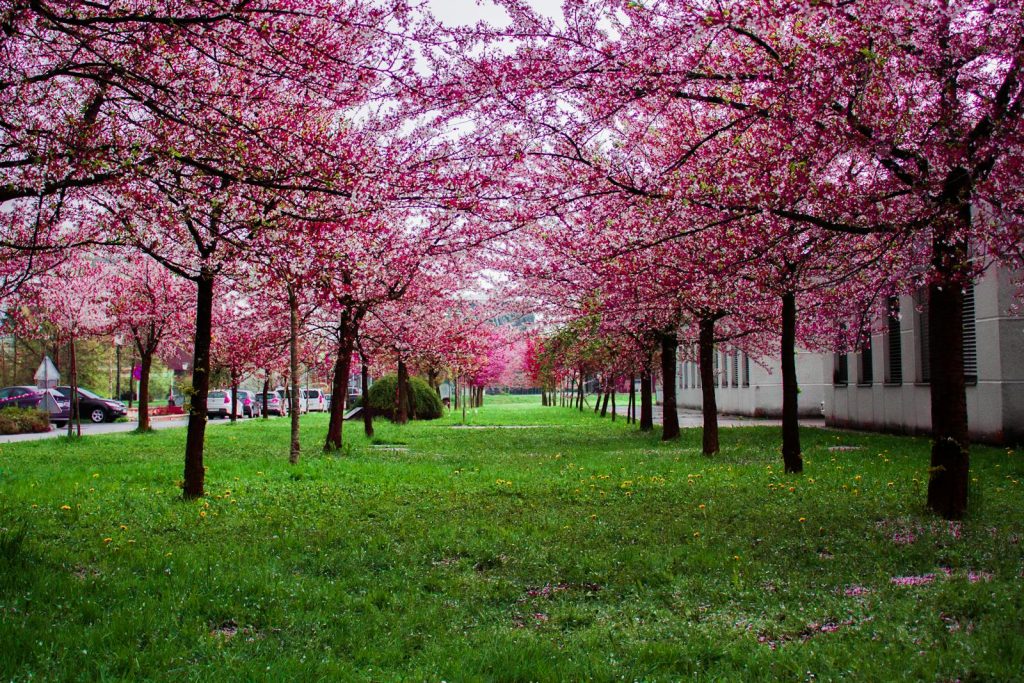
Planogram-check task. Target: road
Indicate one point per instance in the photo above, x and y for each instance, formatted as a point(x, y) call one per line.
point(105, 428)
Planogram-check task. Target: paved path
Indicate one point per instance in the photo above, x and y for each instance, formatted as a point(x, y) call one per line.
point(693, 418)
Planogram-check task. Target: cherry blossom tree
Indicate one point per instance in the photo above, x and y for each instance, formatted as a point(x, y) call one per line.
point(151, 307)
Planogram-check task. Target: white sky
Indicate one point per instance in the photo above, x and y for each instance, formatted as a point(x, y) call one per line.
point(466, 12)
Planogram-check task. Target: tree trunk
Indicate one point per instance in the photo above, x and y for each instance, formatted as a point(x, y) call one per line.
point(294, 448)
point(646, 402)
point(234, 397)
point(146, 363)
point(76, 413)
point(604, 404)
point(402, 399)
point(367, 414)
point(339, 386)
point(579, 396)
point(266, 393)
point(613, 400)
point(195, 473)
point(543, 398)
point(669, 415)
point(949, 475)
point(117, 379)
point(709, 407)
point(791, 458)
point(631, 403)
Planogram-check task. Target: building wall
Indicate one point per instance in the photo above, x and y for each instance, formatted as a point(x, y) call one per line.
point(747, 388)
point(995, 401)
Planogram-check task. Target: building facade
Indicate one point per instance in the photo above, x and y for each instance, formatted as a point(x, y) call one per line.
point(884, 386)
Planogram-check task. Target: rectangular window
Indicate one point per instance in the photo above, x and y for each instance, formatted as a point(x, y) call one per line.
point(970, 321)
point(894, 345)
point(841, 370)
point(746, 370)
point(714, 367)
point(735, 369)
point(865, 364)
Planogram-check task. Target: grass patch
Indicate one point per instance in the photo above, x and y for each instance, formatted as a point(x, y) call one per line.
point(580, 551)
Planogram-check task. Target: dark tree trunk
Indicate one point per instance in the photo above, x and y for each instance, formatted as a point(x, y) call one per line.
point(670, 417)
point(367, 411)
point(791, 458)
point(579, 395)
point(950, 459)
point(234, 397)
point(295, 447)
point(146, 363)
point(709, 407)
point(266, 392)
point(597, 399)
point(613, 401)
point(604, 404)
point(543, 398)
point(646, 400)
point(195, 473)
point(631, 403)
point(75, 422)
point(402, 412)
point(339, 385)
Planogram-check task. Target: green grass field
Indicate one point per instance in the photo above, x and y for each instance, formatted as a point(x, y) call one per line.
point(571, 548)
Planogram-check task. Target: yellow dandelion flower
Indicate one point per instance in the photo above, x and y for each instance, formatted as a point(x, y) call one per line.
point(696, 534)
point(107, 540)
point(701, 506)
point(803, 519)
point(202, 513)
point(124, 527)
point(65, 507)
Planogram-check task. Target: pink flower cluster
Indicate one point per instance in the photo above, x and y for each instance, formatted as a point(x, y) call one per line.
point(912, 580)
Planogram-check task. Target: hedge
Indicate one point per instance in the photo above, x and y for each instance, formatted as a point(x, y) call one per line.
point(426, 404)
point(23, 421)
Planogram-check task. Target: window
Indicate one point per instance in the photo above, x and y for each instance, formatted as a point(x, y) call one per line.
point(735, 369)
point(865, 364)
point(841, 370)
point(894, 345)
point(714, 366)
point(746, 370)
point(970, 336)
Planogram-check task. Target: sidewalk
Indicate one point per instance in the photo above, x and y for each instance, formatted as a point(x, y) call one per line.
point(693, 418)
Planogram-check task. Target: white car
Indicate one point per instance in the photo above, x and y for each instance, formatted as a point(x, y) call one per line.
point(218, 404)
point(315, 400)
point(285, 396)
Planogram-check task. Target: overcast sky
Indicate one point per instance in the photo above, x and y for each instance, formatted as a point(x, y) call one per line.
point(462, 12)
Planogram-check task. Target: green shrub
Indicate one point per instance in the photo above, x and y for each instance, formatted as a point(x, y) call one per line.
point(426, 404)
point(23, 421)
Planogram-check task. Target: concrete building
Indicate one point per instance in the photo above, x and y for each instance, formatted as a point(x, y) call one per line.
point(885, 387)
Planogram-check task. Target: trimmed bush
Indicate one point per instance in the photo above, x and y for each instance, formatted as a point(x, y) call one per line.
point(426, 404)
point(23, 421)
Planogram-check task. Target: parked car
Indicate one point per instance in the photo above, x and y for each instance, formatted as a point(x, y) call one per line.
point(327, 401)
point(93, 407)
point(218, 404)
point(276, 405)
point(314, 400)
point(49, 400)
point(283, 393)
point(250, 408)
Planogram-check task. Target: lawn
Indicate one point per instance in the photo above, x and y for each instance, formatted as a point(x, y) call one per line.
point(570, 548)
